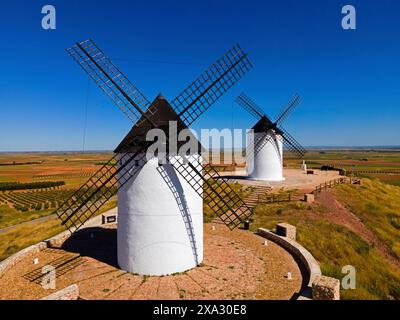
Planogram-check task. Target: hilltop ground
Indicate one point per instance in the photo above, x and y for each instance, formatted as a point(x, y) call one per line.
point(237, 265)
point(348, 225)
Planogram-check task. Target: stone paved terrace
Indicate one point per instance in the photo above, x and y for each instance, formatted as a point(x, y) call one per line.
point(237, 265)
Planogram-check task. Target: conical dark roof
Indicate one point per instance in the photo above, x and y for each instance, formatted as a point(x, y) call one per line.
point(263, 125)
point(160, 112)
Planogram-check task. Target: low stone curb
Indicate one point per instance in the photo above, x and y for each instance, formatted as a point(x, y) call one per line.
point(58, 239)
point(52, 242)
point(303, 255)
point(15, 258)
point(69, 293)
point(49, 243)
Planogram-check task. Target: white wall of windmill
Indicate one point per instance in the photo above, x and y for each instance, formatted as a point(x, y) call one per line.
point(265, 160)
point(160, 221)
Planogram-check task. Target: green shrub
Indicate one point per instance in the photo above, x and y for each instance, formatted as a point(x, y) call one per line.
point(29, 185)
point(394, 221)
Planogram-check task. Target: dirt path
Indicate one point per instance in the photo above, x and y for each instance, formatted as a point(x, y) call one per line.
point(340, 215)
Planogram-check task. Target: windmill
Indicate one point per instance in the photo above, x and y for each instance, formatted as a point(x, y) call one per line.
point(160, 204)
point(265, 161)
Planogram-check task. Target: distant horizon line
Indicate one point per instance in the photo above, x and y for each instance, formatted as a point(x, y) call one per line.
point(390, 147)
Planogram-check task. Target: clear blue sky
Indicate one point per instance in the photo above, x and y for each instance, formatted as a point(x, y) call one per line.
point(349, 80)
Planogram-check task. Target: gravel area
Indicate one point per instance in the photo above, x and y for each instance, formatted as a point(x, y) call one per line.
point(237, 265)
point(294, 179)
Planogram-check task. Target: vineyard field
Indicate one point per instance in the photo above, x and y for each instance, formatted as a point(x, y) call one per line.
point(35, 200)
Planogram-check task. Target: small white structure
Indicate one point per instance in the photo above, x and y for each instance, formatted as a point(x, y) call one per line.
point(304, 166)
point(265, 160)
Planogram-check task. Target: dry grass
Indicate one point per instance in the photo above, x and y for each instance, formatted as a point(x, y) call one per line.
point(25, 235)
point(378, 206)
point(10, 216)
point(336, 246)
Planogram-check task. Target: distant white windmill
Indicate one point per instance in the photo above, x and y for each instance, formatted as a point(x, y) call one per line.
point(265, 161)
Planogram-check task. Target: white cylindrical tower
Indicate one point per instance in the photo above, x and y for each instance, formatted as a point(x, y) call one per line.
point(265, 160)
point(160, 221)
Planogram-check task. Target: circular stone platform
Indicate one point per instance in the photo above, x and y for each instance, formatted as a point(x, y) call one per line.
point(237, 265)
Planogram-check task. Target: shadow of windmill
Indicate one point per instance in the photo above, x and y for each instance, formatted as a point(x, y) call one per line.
point(97, 243)
point(170, 177)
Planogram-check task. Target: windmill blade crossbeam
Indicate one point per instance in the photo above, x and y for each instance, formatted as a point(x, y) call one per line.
point(101, 187)
point(109, 78)
point(93, 196)
point(292, 144)
point(211, 85)
point(189, 105)
point(83, 195)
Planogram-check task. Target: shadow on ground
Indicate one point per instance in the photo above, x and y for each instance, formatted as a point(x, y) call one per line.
point(305, 274)
point(97, 243)
point(230, 177)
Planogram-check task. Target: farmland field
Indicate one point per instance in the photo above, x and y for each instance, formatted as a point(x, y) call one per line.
point(19, 206)
point(364, 163)
point(72, 169)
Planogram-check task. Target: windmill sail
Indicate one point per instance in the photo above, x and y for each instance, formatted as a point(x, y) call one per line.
point(190, 105)
point(292, 144)
point(250, 106)
point(265, 124)
point(293, 103)
point(196, 99)
point(110, 79)
point(211, 85)
point(89, 198)
point(100, 188)
point(217, 193)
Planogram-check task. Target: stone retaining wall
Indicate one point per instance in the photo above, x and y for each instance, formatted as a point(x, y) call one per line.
point(304, 256)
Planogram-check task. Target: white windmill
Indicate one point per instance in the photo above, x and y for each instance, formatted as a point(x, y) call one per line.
point(266, 139)
point(160, 199)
